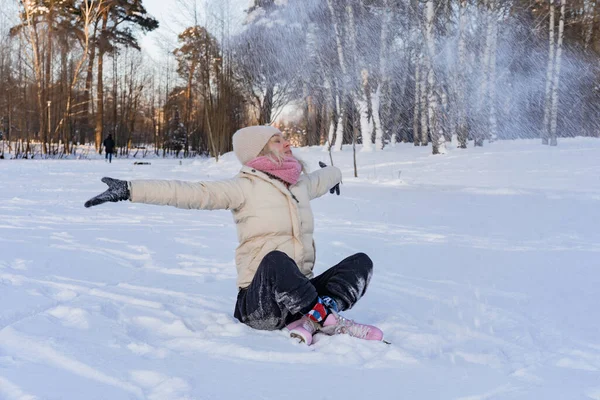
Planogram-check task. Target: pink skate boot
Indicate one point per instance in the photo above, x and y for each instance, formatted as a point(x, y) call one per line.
point(335, 324)
point(303, 329)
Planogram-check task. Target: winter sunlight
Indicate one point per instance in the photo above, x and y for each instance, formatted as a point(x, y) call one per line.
point(324, 199)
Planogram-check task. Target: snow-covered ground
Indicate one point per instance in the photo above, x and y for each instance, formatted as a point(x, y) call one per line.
point(487, 277)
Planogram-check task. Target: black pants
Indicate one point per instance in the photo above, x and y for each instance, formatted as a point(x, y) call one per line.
point(280, 294)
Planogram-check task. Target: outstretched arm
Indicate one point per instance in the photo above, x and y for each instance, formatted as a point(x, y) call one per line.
point(215, 195)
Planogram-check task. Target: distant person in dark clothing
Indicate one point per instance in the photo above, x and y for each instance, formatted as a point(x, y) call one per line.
point(109, 146)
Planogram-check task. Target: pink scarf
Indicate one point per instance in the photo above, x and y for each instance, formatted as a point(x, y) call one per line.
point(288, 171)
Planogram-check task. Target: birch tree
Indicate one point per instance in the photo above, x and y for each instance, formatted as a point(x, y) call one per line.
point(341, 92)
point(366, 112)
point(308, 91)
point(423, 106)
point(437, 139)
point(589, 14)
point(549, 76)
point(355, 65)
point(588, 106)
point(491, 96)
point(382, 82)
point(486, 107)
point(461, 119)
point(556, 73)
point(417, 104)
point(384, 96)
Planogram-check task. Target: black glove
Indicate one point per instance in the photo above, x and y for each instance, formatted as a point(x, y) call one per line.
point(117, 191)
point(336, 188)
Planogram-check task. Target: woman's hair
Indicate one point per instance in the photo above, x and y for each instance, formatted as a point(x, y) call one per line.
point(278, 158)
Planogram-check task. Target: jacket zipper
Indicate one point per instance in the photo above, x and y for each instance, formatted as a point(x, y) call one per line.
point(293, 197)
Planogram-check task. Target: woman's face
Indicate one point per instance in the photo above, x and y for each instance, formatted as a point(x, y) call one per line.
point(279, 145)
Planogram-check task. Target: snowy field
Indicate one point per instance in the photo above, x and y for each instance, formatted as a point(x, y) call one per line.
point(487, 282)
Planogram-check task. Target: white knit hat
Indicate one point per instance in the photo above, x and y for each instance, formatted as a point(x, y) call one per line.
point(249, 141)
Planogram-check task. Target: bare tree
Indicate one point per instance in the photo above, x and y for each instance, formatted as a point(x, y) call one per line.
point(461, 120)
point(342, 87)
point(417, 103)
point(88, 12)
point(556, 75)
point(117, 18)
point(549, 76)
point(31, 17)
point(432, 97)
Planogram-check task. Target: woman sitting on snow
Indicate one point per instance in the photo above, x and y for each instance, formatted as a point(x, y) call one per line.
point(270, 202)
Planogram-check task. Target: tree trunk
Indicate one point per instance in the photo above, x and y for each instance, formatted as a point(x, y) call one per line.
point(267, 106)
point(493, 123)
point(423, 104)
point(211, 136)
point(366, 113)
point(85, 124)
point(417, 107)
point(115, 95)
point(188, 107)
point(310, 116)
point(341, 95)
point(39, 76)
point(334, 107)
point(461, 120)
point(384, 86)
point(589, 20)
point(375, 103)
point(549, 78)
point(65, 89)
point(436, 136)
point(339, 132)
point(483, 107)
point(589, 9)
point(48, 71)
point(556, 80)
point(311, 109)
point(99, 130)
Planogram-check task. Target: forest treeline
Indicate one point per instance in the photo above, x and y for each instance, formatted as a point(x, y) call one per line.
point(374, 72)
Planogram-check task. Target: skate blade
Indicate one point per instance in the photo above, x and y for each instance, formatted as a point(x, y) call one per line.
point(385, 341)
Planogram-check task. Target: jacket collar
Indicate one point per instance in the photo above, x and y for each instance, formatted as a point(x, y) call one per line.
point(274, 181)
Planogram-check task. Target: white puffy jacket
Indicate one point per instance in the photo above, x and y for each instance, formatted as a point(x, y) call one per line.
point(268, 215)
